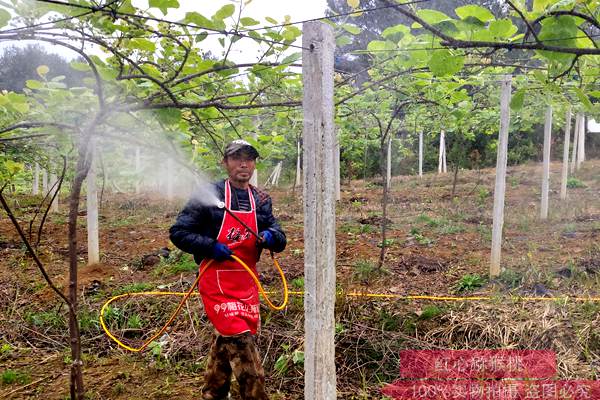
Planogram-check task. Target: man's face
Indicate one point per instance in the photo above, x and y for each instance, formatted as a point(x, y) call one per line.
point(240, 167)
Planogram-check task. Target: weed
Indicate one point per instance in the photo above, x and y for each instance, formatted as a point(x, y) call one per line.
point(88, 321)
point(574, 183)
point(10, 376)
point(451, 229)
point(389, 322)
point(50, 319)
point(419, 237)
point(387, 242)
point(5, 349)
point(513, 181)
point(485, 231)
point(366, 228)
point(510, 278)
point(177, 263)
point(283, 361)
point(134, 322)
point(426, 219)
point(118, 388)
point(363, 270)
point(482, 195)
point(298, 283)
point(470, 282)
point(431, 312)
point(297, 252)
point(134, 288)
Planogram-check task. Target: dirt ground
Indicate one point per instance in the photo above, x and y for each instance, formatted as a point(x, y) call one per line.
point(436, 245)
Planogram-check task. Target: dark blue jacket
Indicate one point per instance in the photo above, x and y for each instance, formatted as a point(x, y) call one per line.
point(197, 225)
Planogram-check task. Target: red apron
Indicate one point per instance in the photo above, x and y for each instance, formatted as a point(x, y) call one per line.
point(229, 293)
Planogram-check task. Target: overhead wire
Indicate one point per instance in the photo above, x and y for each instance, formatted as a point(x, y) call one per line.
point(185, 25)
point(330, 17)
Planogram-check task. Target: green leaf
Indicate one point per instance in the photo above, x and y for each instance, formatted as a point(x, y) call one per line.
point(595, 93)
point(224, 12)
point(298, 357)
point(433, 17)
point(247, 21)
point(281, 365)
point(292, 58)
point(541, 5)
point(163, 5)
point(4, 17)
point(380, 45)
point(169, 116)
point(353, 3)
point(443, 63)
point(353, 29)
point(42, 70)
point(33, 84)
point(502, 28)
point(199, 20)
point(343, 41)
point(143, 44)
point(517, 100)
point(80, 66)
point(395, 31)
point(475, 11)
point(291, 33)
point(583, 99)
point(559, 31)
point(271, 20)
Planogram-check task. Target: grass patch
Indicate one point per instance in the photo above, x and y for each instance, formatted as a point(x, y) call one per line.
point(9, 377)
point(574, 183)
point(469, 282)
point(47, 319)
point(177, 263)
point(419, 237)
point(134, 288)
point(364, 270)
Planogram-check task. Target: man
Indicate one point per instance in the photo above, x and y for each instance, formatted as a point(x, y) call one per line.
point(229, 294)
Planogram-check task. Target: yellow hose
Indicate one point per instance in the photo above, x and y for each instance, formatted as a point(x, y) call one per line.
point(186, 295)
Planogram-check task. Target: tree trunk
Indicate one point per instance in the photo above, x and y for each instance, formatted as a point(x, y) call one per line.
point(384, 202)
point(455, 179)
point(76, 387)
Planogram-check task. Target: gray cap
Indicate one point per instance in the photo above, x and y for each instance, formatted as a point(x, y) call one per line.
point(240, 146)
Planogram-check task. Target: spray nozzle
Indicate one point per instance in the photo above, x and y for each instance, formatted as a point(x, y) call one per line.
point(220, 204)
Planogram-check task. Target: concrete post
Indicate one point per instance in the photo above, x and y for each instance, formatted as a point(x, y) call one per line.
point(319, 212)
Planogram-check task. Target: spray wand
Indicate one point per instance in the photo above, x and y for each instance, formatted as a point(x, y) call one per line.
point(221, 205)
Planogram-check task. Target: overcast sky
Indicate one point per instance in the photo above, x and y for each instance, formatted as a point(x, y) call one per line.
point(244, 50)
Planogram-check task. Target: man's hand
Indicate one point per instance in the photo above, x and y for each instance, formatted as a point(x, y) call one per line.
point(221, 252)
point(267, 239)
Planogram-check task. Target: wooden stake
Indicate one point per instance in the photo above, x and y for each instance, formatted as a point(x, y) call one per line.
point(441, 153)
point(338, 176)
point(319, 212)
point(92, 211)
point(36, 180)
point(500, 187)
point(546, 165)
point(389, 163)
point(575, 142)
point(254, 178)
point(581, 141)
point(565, 165)
point(298, 166)
point(44, 182)
point(421, 154)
